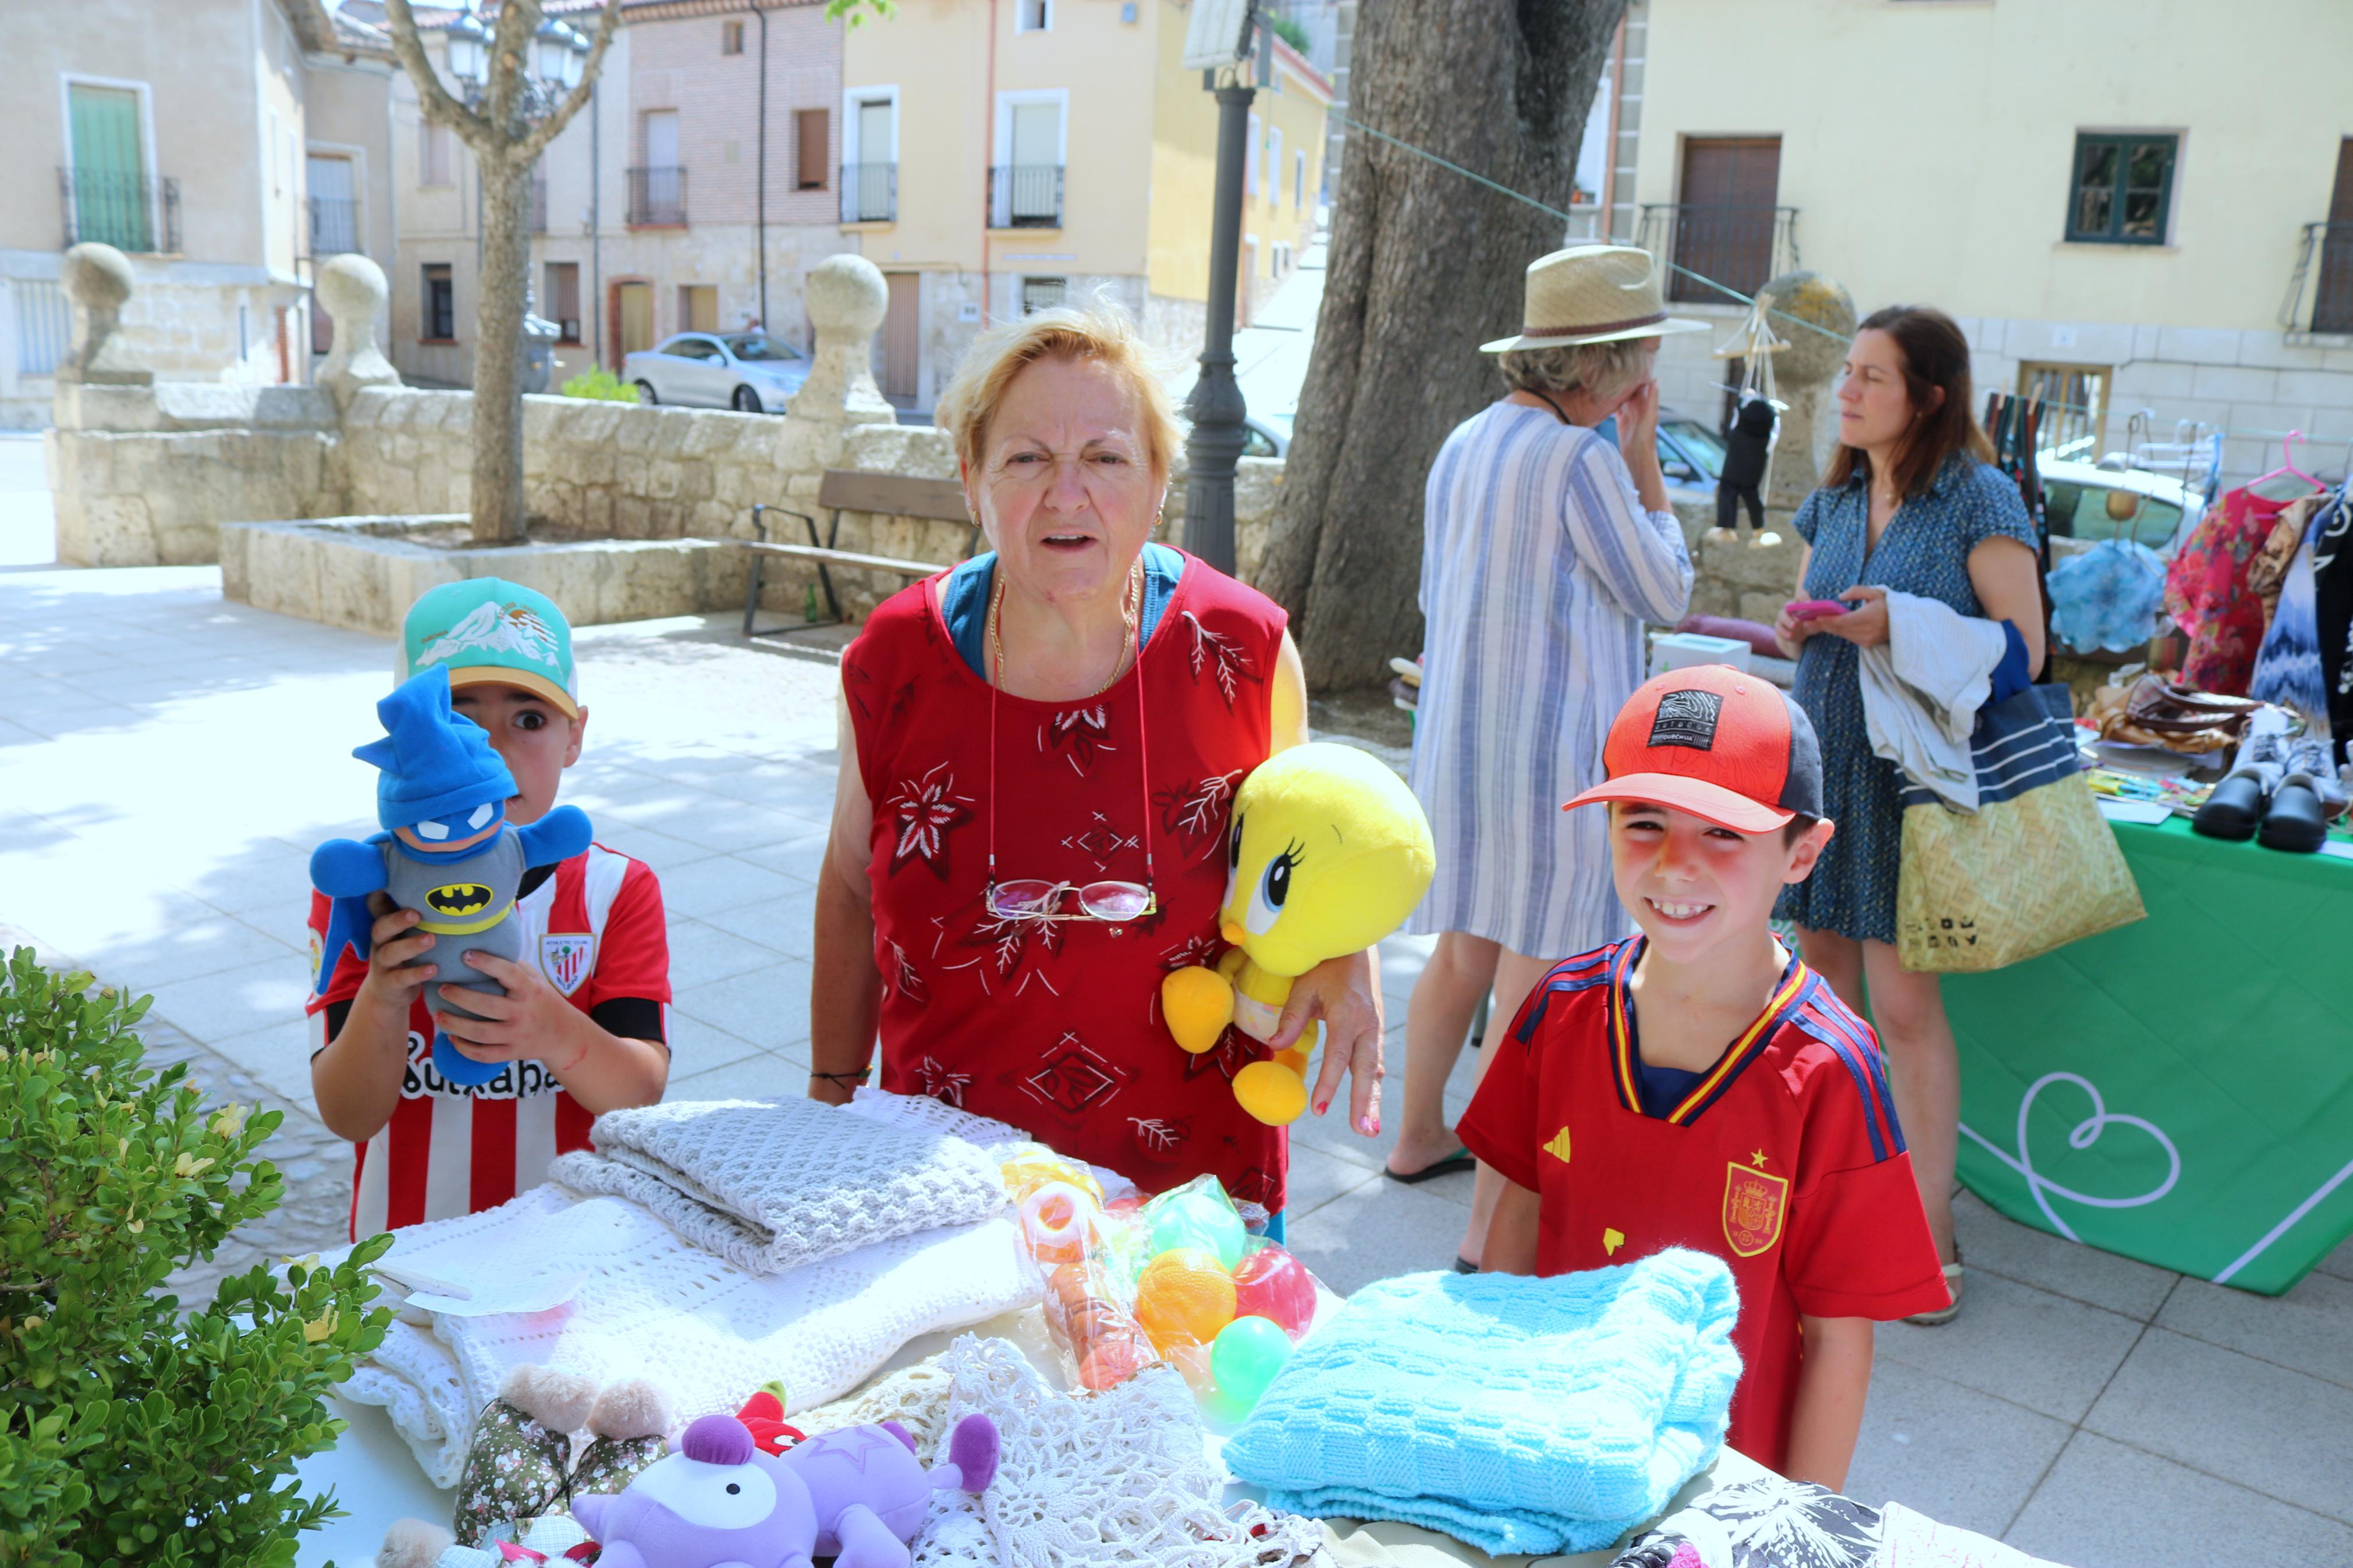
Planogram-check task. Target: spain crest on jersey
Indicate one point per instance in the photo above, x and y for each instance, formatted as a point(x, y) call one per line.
point(566, 958)
point(1755, 1205)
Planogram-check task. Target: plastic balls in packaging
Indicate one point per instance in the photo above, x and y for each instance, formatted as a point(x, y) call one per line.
point(1245, 1357)
point(1103, 1342)
point(1273, 1284)
point(1034, 1165)
point(1198, 1214)
point(1058, 1222)
point(1183, 1296)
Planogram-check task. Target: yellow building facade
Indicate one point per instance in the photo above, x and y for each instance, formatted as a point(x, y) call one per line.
point(2082, 186)
point(1000, 156)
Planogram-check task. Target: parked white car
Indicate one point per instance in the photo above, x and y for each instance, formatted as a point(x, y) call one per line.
point(751, 373)
point(2088, 502)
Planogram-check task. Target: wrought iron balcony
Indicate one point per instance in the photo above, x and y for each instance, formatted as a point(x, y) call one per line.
point(1738, 247)
point(1025, 195)
point(129, 212)
point(658, 197)
point(869, 192)
point(334, 225)
point(2320, 290)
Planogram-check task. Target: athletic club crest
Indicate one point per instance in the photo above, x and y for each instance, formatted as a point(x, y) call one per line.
point(566, 958)
point(1755, 1205)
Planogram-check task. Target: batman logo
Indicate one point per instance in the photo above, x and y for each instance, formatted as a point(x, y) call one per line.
point(459, 899)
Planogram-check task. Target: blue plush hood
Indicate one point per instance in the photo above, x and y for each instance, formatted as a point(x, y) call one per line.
point(436, 761)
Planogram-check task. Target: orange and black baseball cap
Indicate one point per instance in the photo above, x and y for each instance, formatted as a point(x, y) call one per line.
point(1720, 744)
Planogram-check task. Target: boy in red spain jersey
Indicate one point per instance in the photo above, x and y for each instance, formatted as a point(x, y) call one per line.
point(584, 1026)
point(1698, 1086)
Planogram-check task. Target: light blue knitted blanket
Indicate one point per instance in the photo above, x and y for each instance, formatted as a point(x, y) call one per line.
point(1519, 1414)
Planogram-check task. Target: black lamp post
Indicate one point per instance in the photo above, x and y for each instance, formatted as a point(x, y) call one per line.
point(1215, 405)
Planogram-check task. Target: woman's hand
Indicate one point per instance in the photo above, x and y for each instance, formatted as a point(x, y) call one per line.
point(1791, 633)
point(1865, 626)
point(1346, 995)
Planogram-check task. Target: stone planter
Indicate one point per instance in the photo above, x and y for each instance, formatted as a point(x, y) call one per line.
point(365, 572)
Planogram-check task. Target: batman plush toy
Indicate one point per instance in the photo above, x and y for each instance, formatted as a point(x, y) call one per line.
point(447, 851)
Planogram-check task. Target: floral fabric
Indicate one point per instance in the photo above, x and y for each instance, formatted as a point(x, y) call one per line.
point(2209, 590)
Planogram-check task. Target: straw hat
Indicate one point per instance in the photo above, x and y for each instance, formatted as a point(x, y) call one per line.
point(1592, 294)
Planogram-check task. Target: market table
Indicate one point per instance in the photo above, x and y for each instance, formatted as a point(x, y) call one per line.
point(377, 1481)
point(2178, 1090)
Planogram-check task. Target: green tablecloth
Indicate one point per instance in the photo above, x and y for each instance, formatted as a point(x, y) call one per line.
point(2180, 1090)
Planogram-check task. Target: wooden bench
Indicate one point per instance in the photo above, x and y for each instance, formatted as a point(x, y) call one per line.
point(853, 489)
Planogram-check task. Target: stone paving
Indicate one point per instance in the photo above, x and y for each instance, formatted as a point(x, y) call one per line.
point(167, 759)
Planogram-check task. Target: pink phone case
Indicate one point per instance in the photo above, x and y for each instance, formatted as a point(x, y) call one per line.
point(1816, 609)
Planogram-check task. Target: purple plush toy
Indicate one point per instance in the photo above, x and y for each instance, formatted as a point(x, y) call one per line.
point(858, 1494)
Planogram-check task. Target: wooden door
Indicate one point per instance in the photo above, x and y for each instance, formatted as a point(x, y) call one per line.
point(901, 338)
point(633, 309)
point(2332, 304)
point(1724, 221)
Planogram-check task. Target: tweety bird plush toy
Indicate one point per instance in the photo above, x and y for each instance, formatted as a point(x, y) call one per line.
point(1327, 852)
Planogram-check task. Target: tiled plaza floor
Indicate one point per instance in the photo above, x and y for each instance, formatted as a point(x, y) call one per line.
point(167, 759)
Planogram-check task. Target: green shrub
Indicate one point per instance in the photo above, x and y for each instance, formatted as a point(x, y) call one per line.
point(126, 1433)
point(1291, 31)
point(599, 382)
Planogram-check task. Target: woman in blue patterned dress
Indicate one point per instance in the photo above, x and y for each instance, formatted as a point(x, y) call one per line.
point(1908, 505)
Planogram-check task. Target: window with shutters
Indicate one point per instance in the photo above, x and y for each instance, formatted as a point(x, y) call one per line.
point(432, 153)
point(1033, 16)
point(812, 148)
point(560, 304)
point(1043, 293)
point(731, 37)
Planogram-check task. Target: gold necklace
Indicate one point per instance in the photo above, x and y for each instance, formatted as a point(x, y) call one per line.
point(1130, 607)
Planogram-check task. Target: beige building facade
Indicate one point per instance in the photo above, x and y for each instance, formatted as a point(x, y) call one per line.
point(187, 135)
point(999, 158)
point(651, 215)
point(2125, 202)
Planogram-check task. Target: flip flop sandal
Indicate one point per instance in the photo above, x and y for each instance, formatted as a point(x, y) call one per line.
point(1460, 1160)
point(1464, 1265)
point(2297, 821)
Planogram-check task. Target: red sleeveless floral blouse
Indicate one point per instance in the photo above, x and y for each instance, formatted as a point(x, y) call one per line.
point(1055, 1026)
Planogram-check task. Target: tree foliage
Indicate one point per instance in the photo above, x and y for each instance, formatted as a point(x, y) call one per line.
point(127, 1434)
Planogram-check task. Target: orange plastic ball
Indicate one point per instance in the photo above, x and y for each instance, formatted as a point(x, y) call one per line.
point(1184, 1297)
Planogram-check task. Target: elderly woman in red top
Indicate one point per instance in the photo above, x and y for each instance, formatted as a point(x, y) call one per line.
point(1039, 751)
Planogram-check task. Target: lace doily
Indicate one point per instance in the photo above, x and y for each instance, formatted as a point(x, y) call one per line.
point(914, 1396)
point(653, 1307)
point(770, 1187)
point(1116, 1479)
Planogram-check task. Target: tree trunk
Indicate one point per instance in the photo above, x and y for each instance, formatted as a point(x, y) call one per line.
point(1424, 267)
point(497, 486)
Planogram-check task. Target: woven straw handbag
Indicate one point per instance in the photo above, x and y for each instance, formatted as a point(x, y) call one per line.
point(2035, 868)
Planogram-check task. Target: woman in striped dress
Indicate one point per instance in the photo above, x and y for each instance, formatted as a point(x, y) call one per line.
point(1545, 550)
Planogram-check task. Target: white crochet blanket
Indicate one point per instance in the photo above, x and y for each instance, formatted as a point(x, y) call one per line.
point(770, 1187)
point(654, 1307)
point(999, 1140)
point(1116, 1479)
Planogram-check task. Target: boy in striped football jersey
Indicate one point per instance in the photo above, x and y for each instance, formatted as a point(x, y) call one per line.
point(583, 1027)
point(1624, 1122)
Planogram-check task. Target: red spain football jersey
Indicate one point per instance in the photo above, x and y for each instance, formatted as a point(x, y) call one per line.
point(1784, 1160)
point(596, 932)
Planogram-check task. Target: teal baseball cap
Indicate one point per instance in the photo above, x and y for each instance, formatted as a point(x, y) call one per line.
point(487, 630)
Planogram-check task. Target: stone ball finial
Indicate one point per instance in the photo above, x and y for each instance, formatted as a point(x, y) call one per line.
point(97, 276)
point(846, 294)
point(97, 282)
point(1812, 357)
point(352, 290)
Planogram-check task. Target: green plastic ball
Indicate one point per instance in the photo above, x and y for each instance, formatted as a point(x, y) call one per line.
point(1247, 1354)
point(1200, 1222)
